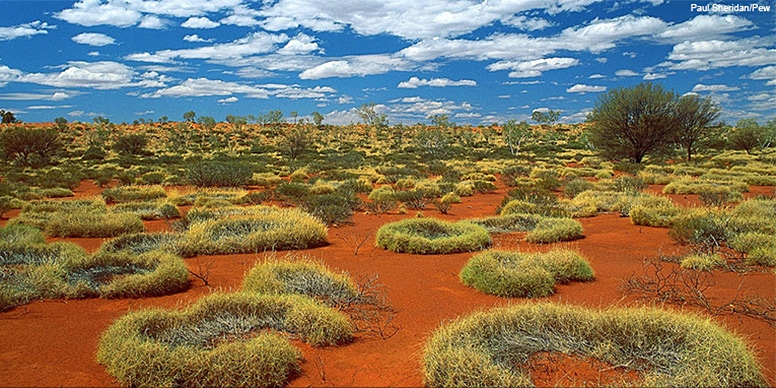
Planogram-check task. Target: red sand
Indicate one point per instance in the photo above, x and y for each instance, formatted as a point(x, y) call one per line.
point(47, 343)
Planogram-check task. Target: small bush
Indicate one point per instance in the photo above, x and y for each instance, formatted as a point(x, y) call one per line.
point(331, 208)
point(515, 274)
point(218, 174)
point(131, 144)
point(657, 212)
point(432, 236)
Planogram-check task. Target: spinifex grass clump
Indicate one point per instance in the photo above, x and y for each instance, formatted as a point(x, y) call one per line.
point(142, 243)
point(124, 274)
point(277, 229)
point(79, 218)
point(39, 213)
point(133, 193)
point(432, 236)
point(493, 348)
point(221, 340)
point(732, 189)
point(302, 277)
point(148, 210)
point(540, 229)
point(203, 195)
point(86, 224)
point(31, 269)
point(517, 274)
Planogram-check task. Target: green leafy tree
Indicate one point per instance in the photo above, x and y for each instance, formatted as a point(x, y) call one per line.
point(189, 116)
point(273, 117)
point(207, 122)
point(7, 117)
point(749, 136)
point(695, 116)
point(370, 117)
point(514, 135)
point(634, 122)
point(61, 123)
point(548, 117)
point(317, 119)
point(441, 121)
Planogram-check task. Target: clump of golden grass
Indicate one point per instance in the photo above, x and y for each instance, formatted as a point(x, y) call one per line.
point(493, 348)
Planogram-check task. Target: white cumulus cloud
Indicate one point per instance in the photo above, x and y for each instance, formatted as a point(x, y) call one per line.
point(93, 39)
point(415, 82)
point(582, 88)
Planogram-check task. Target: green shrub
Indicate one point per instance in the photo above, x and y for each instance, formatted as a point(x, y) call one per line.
point(330, 208)
point(415, 199)
point(218, 174)
point(493, 348)
point(432, 236)
point(655, 211)
point(704, 228)
point(277, 229)
point(575, 186)
point(209, 343)
point(30, 146)
point(516, 274)
point(133, 193)
point(131, 144)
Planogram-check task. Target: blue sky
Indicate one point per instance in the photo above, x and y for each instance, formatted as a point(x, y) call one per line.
point(476, 61)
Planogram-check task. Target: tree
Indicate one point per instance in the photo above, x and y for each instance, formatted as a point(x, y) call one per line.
point(99, 120)
point(695, 116)
point(634, 122)
point(514, 135)
point(749, 136)
point(189, 116)
point(7, 117)
point(163, 119)
point(441, 121)
point(207, 122)
point(273, 117)
point(371, 117)
point(61, 122)
point(545, 117)
point(30, 147)
point(317, 119)
point(294, 114)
